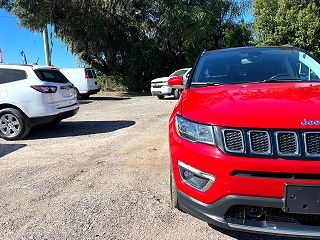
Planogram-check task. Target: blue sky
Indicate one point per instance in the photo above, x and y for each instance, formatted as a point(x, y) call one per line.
point(14, 39)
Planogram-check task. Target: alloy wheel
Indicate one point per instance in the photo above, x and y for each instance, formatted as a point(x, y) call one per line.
point(9, 125)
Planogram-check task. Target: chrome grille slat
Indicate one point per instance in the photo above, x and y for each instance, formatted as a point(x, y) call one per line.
point(287, 143)
point(260, 142)
point(312, 143)
point(233, 140)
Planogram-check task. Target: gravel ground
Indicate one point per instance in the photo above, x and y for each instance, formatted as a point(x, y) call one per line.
point(102, 174)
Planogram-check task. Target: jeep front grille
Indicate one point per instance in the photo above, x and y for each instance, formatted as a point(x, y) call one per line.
point(312, 142)
point(287, 143)
point(270, 143)
point(233, 140)
point(236, 214)
point(260, 142)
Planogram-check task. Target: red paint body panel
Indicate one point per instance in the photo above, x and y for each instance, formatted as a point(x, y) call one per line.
point(264, 105)
point(261, 105)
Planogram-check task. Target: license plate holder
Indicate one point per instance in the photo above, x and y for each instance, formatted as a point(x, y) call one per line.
point(302, 199)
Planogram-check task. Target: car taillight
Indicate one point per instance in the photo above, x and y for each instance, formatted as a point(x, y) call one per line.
point(86, 75)
point(45, 89)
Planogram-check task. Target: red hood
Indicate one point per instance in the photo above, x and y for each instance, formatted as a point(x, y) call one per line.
point(261, 105)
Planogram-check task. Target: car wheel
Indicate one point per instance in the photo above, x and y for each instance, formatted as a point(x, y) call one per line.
point(173, 191)
point(176, 93)
point(161, 97)
point(13, 124)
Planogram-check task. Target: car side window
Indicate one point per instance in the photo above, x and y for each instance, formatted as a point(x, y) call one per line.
point(11, 75)
point(306, 73)
point(89, 72)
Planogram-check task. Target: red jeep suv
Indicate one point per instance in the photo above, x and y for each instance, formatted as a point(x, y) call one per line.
point(245, 141)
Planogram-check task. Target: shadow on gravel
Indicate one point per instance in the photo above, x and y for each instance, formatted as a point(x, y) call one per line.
point(6, 149)
point(80, 128)
point(168, 98)
point(109, 98)
point(84, 102)
point(250, 236)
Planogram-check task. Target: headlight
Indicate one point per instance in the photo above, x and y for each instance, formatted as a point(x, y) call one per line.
point(194, 132)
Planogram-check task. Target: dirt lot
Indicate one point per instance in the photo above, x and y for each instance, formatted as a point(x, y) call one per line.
point(102, 174)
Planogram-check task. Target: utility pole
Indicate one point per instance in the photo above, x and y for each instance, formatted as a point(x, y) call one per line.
point(46, 46)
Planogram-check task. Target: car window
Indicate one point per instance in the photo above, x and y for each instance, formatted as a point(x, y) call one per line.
point(254, 65)
point(51, 75)
point(178, 73)
point(11, 75)
point(89, 72)
point(306, 69)
point(94, 74)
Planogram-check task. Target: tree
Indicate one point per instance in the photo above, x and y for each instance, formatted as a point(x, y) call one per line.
point(137, 39)
point(295, 22)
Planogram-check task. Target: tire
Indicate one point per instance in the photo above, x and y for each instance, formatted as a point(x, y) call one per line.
point(176, 93)
point(161, 97)
point(84, 96)
point(14, 125)
point(78, 94)
point(173, 191)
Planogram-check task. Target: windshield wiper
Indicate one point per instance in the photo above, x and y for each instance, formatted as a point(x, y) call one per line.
point(205, 84)
point(281, 80)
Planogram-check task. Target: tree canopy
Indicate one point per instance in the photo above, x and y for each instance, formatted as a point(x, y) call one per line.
point(295, 22)
point(137, 39)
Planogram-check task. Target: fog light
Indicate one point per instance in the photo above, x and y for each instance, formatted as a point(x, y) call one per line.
point(187, 174)
point(195, 178)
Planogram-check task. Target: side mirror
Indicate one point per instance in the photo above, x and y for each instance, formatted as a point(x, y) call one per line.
point(176, 81)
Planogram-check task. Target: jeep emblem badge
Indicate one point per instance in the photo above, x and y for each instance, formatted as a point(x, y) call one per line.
point(307, 122)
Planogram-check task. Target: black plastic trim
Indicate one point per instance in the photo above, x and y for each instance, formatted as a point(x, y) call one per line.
point(214, 215)
point(276, 175)
point(52, 118)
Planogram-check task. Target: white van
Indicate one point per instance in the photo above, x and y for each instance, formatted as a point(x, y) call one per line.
point(84, 79)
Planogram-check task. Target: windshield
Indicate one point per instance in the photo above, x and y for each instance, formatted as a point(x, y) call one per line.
point(178, 73)
point(249, 65)
point(48, 75)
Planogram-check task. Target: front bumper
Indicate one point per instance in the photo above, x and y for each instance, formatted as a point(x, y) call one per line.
point(215, 214)
point(161, 91)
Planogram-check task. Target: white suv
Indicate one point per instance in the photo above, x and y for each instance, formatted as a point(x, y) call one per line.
point(31, 95)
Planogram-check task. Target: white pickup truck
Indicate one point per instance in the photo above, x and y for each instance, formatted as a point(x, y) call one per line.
point(160, 88)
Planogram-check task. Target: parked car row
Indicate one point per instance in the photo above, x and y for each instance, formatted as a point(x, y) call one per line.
point(32, 95)
point(244, 137)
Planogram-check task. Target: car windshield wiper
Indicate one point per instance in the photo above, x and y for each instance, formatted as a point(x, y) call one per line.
point(205, 84)
point(281, 80)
